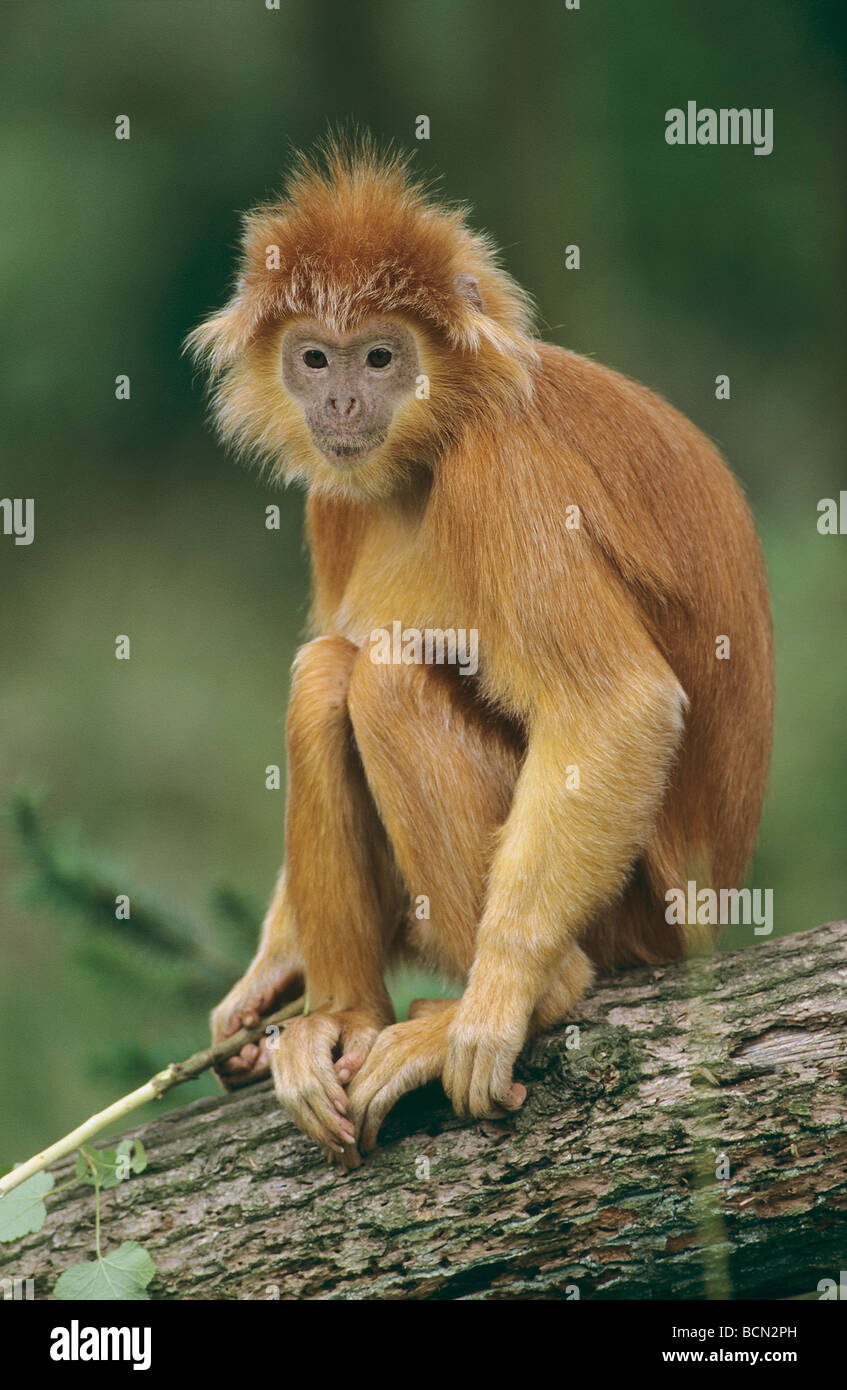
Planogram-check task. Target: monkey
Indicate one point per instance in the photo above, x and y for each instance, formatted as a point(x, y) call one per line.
point(463, 474)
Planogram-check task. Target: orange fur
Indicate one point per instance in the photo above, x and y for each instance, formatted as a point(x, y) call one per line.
point(597, 651)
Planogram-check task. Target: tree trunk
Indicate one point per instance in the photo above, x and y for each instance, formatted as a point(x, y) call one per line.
point(686, 1140)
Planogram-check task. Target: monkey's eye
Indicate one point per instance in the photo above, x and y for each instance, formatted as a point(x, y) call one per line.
point(379, 357)
point(314, 358)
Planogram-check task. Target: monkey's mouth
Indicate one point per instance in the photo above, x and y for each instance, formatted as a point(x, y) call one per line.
point(347, 450)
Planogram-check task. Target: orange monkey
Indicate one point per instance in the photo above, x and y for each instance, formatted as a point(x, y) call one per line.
point(463, 476)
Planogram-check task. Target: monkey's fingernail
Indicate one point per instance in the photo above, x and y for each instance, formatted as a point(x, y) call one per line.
point(344, 1074)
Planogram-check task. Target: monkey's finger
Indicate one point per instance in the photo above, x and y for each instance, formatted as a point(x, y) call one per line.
point(346, 1159)
point(371, 1099)
point(308, 1124)
point(315, 1117)
point(231, 1067)
point(372, 1119)
point(251, 1064)
point(251, 1058)
point(313, 1090)
point(498, 1106)
point(225, 1024)
point(326, 1073)
point(251, 999)
point(357, 1043)
point(360, 1096)
point(350, 1158)
point(374, 1080)
point(480, 1103)
point(456, 1080)
point(493, 1093)
point(347, 1066)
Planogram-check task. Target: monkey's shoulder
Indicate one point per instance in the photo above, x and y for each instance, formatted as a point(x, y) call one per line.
point(641, 450)
point(593, 400)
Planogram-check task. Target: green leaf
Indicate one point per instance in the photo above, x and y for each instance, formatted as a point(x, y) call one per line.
point(122, 1275)
point(103, 1160)
point(23, 1211)
point(113, 1165)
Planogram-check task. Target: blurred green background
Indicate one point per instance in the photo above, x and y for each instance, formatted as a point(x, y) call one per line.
point(550, 122)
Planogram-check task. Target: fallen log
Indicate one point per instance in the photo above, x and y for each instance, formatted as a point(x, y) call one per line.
point(683, 1138)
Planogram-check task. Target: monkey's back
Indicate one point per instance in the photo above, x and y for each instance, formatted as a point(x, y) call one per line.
point(671, 519)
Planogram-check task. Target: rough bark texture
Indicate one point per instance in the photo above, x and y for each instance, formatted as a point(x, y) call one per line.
point(605, 1183)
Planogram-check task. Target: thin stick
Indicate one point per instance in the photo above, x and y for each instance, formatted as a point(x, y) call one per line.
point(173, 1075)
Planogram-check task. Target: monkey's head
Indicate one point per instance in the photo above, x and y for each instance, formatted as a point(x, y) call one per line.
point(369, 322)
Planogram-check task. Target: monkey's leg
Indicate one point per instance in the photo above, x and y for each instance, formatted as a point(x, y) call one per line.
point(343, 895)
point(442, 772)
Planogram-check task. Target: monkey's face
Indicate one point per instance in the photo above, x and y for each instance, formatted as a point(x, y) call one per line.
point(350, 386)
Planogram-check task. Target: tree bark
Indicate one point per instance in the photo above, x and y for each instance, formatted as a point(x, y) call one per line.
point(686, 1140)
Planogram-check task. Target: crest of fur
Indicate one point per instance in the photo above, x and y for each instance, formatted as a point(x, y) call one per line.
point(356, 236)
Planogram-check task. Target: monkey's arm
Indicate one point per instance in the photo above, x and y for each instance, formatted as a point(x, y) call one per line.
point(564, 851)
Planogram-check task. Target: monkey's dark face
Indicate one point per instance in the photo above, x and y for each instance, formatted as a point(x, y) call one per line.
point(350, 386)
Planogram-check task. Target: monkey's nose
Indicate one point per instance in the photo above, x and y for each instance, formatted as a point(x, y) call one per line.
point(346, 406)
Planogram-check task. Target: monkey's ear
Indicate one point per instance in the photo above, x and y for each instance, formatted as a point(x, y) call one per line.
point(216, 342)
point(468, 288)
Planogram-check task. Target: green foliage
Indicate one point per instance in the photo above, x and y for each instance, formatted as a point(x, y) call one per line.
point(22, 1211)
point(123, 1275)
point(59, 878)
point(108, 1167)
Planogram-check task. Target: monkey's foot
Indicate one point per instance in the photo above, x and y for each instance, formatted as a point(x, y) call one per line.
point(266, 986)
point(308, 1078)
point(404, 1057)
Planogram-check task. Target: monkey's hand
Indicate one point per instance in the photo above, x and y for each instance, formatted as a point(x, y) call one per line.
point(268, 984)
point(311, 1061)
point(486, 1034)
